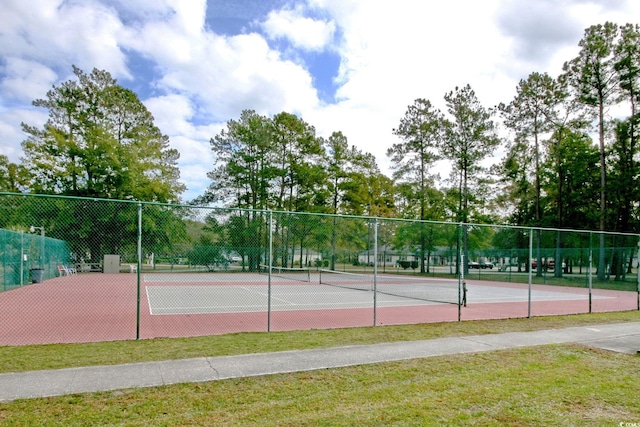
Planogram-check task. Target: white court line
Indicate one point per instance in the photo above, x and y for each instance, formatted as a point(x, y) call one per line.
point(146, 291)
point(266, 295)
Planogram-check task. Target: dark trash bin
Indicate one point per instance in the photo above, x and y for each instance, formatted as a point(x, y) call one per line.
point(37, 275)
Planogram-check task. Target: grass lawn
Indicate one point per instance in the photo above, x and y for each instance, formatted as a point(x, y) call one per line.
point(545, 385)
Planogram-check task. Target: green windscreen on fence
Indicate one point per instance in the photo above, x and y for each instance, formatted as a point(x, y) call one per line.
point(27, 255)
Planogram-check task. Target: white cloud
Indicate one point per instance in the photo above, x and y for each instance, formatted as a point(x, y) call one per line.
point(302, 32)
point(25, 80)
point(224, 74)
point(174, 115)
point(11, 131)
point(390, 54)
point(62, 33)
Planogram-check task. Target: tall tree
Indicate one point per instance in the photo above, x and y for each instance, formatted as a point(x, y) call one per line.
point(627, 66)
point(624, 150)
point(298, 155)
point(623, 184)
point(13, 177)
point(340, 164)
point(530, 114)
point(299, 175)
point(244, 163)
point(470, 136)
point(369, 191)
point(571, 185)
point(244, 168)
point(100, 141)
point(421, 132)
point(593, 77)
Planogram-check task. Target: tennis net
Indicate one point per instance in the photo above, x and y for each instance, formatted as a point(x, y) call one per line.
point(299, 274)
point(431, 289)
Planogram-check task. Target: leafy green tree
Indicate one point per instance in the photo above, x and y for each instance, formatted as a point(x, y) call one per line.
point(367, 190)
point(470, 136)
point(518, 195)
point(571, 185)
point(244, 170)
point(264, 163)
point(340, 162)
point(13, 177)
point(421, 132)
point(299, 177)
point(627, 66)
point(623, 184)
point(371, 193)
point(531, 113)
point(624, 176)
point(593, 77)
point(100, 141)
point(244, 230)
point(244, 163)
point(298, 154)
point(625, 171)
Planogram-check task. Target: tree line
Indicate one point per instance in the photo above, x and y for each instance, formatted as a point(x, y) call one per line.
point(567, 163)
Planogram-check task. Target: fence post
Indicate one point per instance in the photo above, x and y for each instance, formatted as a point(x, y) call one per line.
point(638, 273)
point(375, 270)
point(138, 270)
point(530, 268)
point(270, 264)
point(589, 271)
point(459, 264)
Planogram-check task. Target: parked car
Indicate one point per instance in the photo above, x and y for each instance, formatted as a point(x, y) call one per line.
point(549, 264)
point(480, 265)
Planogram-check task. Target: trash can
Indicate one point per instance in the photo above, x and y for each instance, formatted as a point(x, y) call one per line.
point(37, 275)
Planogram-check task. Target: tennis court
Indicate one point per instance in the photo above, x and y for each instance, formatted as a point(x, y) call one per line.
point(101, 307)
point(241, 293)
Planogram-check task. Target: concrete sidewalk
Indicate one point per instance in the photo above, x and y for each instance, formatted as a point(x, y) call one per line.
point(624, 337)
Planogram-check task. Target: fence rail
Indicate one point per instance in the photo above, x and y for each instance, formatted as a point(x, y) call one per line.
point(77, 270)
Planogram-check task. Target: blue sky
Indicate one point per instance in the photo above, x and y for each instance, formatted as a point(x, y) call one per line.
point(342, 65)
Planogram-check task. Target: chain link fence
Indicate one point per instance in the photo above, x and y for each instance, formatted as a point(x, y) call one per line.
point(84, 270)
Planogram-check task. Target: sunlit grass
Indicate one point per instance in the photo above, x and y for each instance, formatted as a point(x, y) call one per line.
point(547, 385)
point(54, 356)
